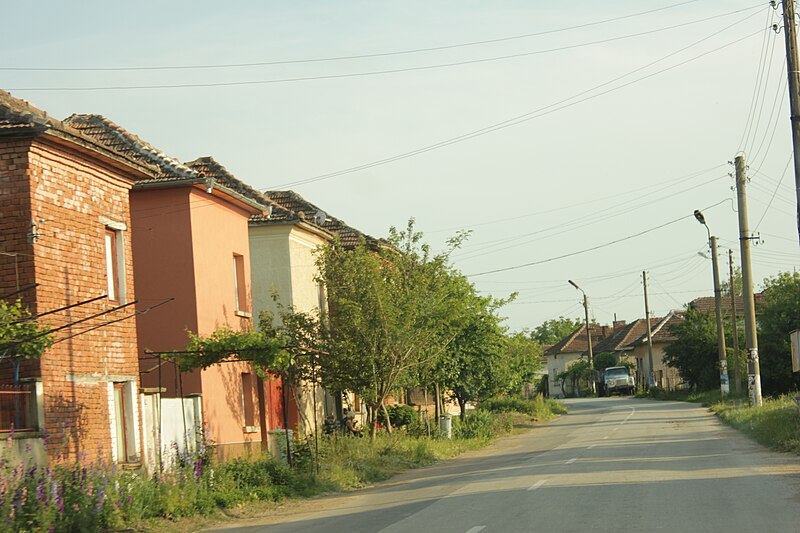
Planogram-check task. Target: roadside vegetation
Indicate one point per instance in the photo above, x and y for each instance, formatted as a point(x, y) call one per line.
point(91, 495)
point(775, 424)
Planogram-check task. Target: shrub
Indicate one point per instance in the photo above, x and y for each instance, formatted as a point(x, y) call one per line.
point(480, 424)
point(399, 415)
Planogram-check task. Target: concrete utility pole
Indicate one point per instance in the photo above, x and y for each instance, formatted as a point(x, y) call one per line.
point(737, 372)
point(724, 386)
point(652, 378)
point(751, 339)
point(588, 333)
point(794, 98)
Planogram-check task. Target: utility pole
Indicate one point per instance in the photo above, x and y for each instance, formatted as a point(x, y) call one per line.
point(751, 338)
point(737, 372)
point(652, 378)
point(588, 332)
point(724, 386)
point(794, 98)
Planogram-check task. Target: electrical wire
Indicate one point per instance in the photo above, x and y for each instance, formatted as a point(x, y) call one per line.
point(531, 115)
point(374, 72)
point(754, 97)
point(775, 192)
point(590, 219)
point(673, 181)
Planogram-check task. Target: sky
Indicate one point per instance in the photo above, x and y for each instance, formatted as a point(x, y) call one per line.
point(576, 138)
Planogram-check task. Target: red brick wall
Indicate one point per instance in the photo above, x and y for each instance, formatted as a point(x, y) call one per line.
point(69, 193)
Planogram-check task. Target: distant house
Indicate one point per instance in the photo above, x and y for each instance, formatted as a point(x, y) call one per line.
point(665, 376)
point(65, 234)
point(569, 351)
point(190, 244)
point(706, 304)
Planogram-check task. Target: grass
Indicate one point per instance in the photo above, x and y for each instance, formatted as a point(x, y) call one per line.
point(775, 424)
point(91, 495)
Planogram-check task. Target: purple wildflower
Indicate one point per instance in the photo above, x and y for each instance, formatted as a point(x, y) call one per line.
point(41, 495)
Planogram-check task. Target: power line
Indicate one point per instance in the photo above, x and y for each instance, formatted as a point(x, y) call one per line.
point(766, 210)
point(373, 72)
point(525, 117)
point(347, 57)
point(593, 248)
point(579, 223)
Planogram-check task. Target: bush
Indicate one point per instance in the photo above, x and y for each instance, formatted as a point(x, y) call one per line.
point(539, 407)
point(480, 424)
point(399, 415)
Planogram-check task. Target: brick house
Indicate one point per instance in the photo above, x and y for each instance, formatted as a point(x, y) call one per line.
point(65, 226)
point(190, 243)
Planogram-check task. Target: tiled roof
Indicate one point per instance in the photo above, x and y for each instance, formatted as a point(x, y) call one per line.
point(121, 141)
point(17, 114)
point(661, 330)
point(295, 208)
point(706, 303)
point(576, 341)
point(622, 337)
point(208, 167)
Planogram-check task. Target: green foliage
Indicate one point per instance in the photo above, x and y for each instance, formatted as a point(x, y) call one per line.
point(552, 331)
point(265, 351)
point(392, 311)
point(776, 424)
point(539, 407)
point(694, 352)
point(400, 415)
point(577, 373)
point(479, 424)
point(21, 337)
point(603, 360)
point(779, 316)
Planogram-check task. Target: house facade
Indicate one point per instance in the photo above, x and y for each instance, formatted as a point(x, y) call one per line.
point(567, 352)
point(65, 233)
point(190, 249)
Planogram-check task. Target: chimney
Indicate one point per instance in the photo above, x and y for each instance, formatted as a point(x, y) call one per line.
point(619, 324)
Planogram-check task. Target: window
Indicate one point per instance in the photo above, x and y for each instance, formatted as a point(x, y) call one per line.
point(248, 406)
point(115, 262)
point(239, 285)
point(112, 266)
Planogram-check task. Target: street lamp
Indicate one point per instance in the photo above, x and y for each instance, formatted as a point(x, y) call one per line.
point(588, 333)
point(723, 360)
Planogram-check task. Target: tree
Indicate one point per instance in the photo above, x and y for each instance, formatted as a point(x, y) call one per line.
point(472, 361)
point(604, 360)
point(21, 337)
point(577, 372)
point(523, 357)
point(552, 331)
point(780, 315)
point(386, 310)
point(738, 284)
point(694, 352)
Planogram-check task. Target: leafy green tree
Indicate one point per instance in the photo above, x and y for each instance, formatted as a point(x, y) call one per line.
point(387, 307)
point(552, 331)
point(578, 372)
point(474, 359)
point(694, 352)
point(780, 315)
point(604, 360)
point(523, 356)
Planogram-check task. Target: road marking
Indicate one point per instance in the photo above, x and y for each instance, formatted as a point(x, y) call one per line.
point(572, 460)
point(476, 529)
point(633, 411)
point(537, 484)
point(604, 438)
point(592, 446)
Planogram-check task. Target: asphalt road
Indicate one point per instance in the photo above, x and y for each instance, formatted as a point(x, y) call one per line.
point(612, 464)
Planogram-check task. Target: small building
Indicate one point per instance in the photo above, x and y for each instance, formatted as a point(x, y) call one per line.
point(66, 251)
point(567, 352)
